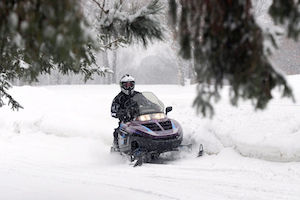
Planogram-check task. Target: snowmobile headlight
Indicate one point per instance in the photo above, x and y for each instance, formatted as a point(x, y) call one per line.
point(149, 117)
point(144, 118)
point(158, 116)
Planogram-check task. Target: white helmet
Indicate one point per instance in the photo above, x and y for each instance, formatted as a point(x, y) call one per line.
point(127, 84)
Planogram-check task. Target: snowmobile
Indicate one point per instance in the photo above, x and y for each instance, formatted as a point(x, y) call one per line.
point(149, 132)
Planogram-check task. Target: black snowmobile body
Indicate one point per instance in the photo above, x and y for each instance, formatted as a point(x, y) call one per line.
point(160, 135)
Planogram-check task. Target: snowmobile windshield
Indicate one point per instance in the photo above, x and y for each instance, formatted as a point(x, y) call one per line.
point(143, 104)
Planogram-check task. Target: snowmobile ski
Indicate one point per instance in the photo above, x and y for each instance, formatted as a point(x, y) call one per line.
point(200, 152)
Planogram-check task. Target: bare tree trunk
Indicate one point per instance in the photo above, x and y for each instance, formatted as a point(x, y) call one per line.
point(114, 67)
point(192, 73)
point(106, 64)
point(180, 72)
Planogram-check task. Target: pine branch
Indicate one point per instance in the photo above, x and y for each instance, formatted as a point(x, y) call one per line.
point(4, 86)
point(56, 34)
point(141, 25)
point(228, 44)
point(286, 12)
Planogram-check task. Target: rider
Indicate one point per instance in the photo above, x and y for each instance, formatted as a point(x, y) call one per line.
point(118, 109)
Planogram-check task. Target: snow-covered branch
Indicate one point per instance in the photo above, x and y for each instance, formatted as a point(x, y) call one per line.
point(143, 24)
point(4, 86)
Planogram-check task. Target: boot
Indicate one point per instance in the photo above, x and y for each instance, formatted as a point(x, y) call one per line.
point(115, 143)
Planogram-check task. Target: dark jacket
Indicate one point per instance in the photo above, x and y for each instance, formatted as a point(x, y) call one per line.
point(118, 108)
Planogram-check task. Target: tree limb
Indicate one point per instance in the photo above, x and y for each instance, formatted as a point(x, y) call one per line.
point(101, 7)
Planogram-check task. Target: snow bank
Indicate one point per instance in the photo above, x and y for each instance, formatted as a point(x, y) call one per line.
point(84, 112)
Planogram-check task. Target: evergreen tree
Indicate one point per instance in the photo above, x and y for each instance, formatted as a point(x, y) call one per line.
point(120, 23)
point(227, 44)
point(38, 35)
point(136, 24)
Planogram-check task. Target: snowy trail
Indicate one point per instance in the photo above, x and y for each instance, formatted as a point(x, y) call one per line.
point(32, 174)
point(58, 148)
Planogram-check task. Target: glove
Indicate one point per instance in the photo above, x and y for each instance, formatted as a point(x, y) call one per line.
point(121, 114)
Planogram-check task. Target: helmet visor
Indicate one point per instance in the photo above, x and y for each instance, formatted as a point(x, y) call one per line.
point(128, 85)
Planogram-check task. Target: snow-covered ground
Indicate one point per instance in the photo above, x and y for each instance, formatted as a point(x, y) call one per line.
point(58, 148)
